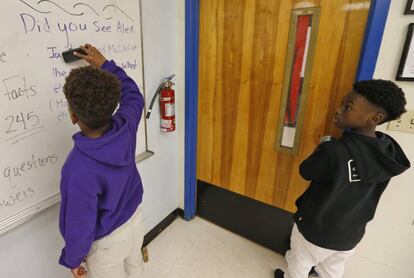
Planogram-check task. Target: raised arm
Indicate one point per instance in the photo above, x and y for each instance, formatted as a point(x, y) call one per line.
point(132, 101)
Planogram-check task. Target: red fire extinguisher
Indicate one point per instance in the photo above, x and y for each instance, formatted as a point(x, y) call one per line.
point(167, 104)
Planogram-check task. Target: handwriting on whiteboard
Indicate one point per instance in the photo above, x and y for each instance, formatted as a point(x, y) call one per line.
point(13, 172)
point(3, 57)
point(38, 20)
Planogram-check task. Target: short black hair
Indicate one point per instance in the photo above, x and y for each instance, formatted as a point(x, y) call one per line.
point(385, 94)
point(93, 95)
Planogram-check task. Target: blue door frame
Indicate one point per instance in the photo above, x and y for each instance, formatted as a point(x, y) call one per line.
point(373, 36)
point(192, 10)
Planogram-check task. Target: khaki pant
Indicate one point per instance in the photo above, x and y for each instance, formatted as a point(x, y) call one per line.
point(118, 255)
point(303, 255)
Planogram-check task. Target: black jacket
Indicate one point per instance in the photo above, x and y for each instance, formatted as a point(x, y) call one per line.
point(348, 177)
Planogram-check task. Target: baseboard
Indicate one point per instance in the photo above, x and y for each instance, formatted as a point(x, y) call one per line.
point(264, 224)
point(151, 235)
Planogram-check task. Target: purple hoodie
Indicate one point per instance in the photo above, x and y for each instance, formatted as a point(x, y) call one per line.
point(100, 185)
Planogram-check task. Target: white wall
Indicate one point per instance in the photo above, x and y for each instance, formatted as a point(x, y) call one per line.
point(32, 249)
point(163, 173)
point(388, 247)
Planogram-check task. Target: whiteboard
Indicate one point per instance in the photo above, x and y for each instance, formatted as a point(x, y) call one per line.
point(35, 128)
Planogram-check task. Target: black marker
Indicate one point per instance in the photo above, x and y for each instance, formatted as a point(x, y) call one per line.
point(68, 55)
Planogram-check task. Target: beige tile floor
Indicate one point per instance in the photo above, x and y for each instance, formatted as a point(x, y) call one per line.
point(200, 249)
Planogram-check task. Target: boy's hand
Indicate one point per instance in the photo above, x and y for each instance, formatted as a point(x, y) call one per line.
point(79, 272)
point(93, 56)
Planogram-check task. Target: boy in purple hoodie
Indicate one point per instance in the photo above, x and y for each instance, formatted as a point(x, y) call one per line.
point(100, 219)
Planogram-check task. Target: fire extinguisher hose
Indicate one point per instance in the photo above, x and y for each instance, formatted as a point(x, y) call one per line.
point(153, 100)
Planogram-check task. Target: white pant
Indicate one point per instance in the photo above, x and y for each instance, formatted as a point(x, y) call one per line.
point(119, 253)
point(304, 255)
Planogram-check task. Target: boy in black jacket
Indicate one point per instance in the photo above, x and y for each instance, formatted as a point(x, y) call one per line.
point(348, 177)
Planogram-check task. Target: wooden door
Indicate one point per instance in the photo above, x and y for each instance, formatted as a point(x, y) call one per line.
point(242, 56)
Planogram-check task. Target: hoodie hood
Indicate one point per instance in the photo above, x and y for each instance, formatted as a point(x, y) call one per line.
point(377, 159)
point(114, 148)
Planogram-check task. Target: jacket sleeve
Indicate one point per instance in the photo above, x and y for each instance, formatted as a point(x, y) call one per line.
point(132, 101)
point(319, 165)
point(78, 226)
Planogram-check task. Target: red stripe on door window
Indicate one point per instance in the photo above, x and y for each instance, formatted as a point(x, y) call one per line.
point(296, 79)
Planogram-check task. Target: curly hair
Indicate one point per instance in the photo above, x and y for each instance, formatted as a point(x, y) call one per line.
point(93, 95)
point(385, 94)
